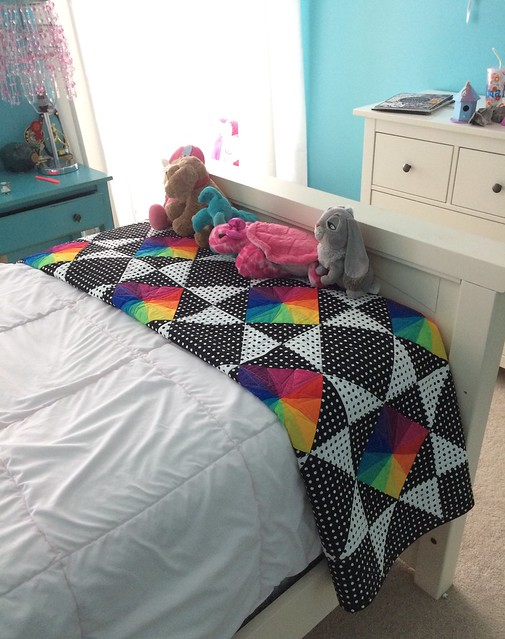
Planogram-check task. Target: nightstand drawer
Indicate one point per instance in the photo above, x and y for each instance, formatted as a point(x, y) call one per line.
point(44, 224)
point(412, 166)
point(480, 182)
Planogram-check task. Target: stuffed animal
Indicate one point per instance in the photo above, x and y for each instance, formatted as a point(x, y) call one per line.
point(185, 178)
point(218, 210)
point(341, 252)
point(18, 158)
point(265, 250)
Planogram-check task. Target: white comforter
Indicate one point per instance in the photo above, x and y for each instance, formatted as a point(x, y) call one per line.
point(143, 494)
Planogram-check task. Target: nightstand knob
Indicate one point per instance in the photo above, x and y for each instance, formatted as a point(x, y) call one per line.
point(76, 217)
point(496, 188)
point(406, 167)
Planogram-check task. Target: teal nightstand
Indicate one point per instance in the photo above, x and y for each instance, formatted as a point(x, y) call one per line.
point(36, 214)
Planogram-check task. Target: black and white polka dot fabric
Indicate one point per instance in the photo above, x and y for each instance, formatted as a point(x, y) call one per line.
point(377, 436)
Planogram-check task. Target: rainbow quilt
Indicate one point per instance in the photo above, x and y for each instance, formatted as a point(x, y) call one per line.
point(362, 386)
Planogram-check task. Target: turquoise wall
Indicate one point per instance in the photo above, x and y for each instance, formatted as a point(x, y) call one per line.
point(363, 51)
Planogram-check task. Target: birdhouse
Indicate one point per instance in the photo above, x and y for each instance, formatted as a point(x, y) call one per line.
point(465, 104)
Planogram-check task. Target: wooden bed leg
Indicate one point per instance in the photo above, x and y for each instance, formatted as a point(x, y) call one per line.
point(474, 365)
point(475, 362)
point(437, 558)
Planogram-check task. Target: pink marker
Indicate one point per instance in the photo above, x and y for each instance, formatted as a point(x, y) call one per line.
point(47, 179)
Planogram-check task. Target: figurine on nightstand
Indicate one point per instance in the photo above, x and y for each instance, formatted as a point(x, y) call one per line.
point(465, 104)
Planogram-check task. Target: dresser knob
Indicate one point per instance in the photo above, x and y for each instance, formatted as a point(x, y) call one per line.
point(496, 188)
point(76, 217)
point(406, 167)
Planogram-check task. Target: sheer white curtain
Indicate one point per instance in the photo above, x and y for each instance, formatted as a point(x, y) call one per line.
point(154, 76)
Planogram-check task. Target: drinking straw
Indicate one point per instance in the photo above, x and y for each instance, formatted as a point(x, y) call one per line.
point(497, 56)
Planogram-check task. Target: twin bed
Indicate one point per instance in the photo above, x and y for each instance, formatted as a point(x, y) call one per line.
point(144, 493)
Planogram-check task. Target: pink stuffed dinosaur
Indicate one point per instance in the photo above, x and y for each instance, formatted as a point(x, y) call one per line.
point(266, 250)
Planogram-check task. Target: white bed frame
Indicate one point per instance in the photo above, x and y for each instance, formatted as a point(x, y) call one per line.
point(456, 279)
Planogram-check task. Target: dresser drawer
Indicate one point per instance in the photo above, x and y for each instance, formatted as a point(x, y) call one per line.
point(490, 228)
point(412, 166)
point(477, 173)
point(48, 223)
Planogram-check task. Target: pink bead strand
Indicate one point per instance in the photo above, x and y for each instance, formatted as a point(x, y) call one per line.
point(34, 52)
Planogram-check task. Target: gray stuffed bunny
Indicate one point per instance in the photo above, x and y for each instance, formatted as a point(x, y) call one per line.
point(342, 256)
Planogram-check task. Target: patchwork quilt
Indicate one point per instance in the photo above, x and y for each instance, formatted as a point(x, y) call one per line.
point(362, 386)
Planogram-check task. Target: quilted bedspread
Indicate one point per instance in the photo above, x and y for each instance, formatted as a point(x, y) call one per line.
point(362, 386)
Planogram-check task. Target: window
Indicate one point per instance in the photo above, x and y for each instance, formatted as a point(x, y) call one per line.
point(164, 74)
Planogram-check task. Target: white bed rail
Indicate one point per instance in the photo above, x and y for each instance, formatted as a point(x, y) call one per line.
point(455, 278)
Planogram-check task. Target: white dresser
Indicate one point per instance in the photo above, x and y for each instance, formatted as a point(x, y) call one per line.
point(429, 166)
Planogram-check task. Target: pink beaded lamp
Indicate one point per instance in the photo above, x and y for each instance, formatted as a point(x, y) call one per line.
point(34, 61)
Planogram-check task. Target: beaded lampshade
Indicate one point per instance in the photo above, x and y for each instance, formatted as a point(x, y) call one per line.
point(34, 62)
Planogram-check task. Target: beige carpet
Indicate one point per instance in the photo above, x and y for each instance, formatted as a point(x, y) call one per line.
point(475, 605)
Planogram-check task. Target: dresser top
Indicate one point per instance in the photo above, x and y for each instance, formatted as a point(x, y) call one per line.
point(440, 119)
point(26, 190)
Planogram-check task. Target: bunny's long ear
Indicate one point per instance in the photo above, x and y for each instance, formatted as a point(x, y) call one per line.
point(356, 263)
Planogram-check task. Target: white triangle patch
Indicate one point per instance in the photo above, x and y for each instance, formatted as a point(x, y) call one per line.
point(177, 271)
point(136, 269)
point(212, 315)
point(61, 272)
point(216, 294)
point(425, 496)
point(111, 243)
point(226, 368)
point(337, 451)
point(357, 401)
point(308, 346)
point(379, 532)
point(164, 330)
point(358, 527)
point(255, 344)
point(99, 291)
point(217, 257)
point(351, 302)
point(430, 388)
point(353, 318)
point(302, 460)
point(99, 255)
point(446, 454)
point(404, 374)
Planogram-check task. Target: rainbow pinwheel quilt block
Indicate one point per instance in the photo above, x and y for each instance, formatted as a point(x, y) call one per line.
point(162, 246)
point(283, 304)
point(293, 395)
point(415, 327)
point(147, 303)
point(391, 451)
point(362, 386)
point(58, 254)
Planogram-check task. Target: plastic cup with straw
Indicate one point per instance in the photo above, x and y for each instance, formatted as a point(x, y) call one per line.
point(495, 84)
